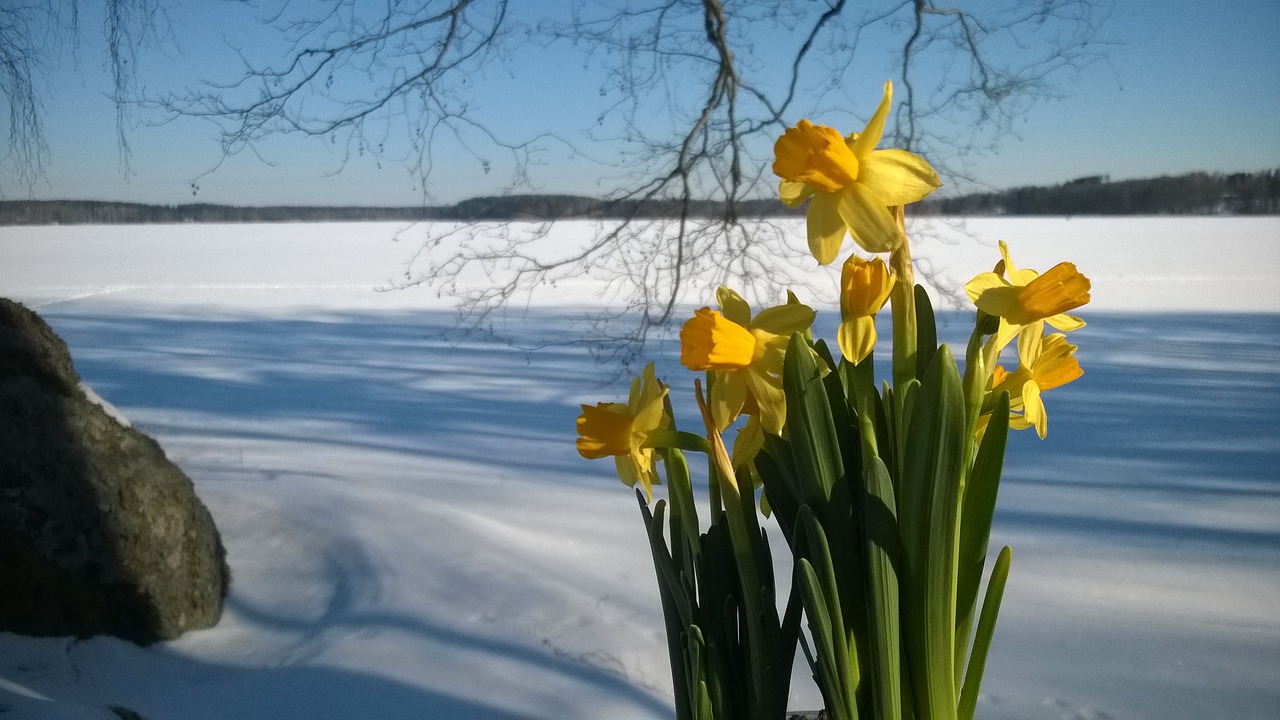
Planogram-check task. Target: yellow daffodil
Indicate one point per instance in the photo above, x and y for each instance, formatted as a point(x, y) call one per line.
point(864, 288)
point(1051, 364)
point(1024, 300)
point(744, 355)
point(850, 184)
point(614, 429)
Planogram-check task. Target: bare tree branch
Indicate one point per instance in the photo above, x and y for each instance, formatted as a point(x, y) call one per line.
point(19, 62)
point(32, 34)
point(694, 92)
point(392, 85)
point(719, 150)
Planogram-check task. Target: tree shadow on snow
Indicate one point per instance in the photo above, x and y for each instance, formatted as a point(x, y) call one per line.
point(1179, 407)
point(381, 382)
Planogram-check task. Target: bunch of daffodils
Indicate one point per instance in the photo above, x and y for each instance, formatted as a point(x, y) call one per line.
point(884, 496)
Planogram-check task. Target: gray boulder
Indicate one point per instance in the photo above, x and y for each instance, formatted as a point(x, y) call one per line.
point(99, 532)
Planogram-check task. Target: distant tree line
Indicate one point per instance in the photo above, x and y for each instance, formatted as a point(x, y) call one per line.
point(497, 208)
point(1191, 194)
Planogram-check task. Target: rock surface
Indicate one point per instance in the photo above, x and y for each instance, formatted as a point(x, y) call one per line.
point(99, 532)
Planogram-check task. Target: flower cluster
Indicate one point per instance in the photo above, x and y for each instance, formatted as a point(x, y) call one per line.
point(885, 497)
point(1024, 301)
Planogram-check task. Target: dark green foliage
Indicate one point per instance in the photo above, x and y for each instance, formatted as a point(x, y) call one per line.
point(888, 554)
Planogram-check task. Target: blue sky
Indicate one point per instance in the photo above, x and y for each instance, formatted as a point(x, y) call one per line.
point(1184, 86)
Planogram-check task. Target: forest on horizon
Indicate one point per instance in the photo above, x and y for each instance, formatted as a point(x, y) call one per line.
point(1198, 193)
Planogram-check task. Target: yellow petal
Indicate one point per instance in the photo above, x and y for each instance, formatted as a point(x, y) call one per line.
point(748, 443)
point(864, 286)
point(1012, 383)
point(626, 471)
point(651, 387)
point(642, 461)
point(1065, 322)
point(1006, 260)
point(868, 219)
point(1033, 409)
point(996, 344)
point(857, 337)
point(727, 396)
point(1057, 364)
point(633, 398)
point(771, 352)
point(768, 394)
point(651, 416)
point(784, 320)
point(709, 341)
point(734, 306)
point(1001, 300)
point(981, 428)
point(898, 177)
point(1018, 422)
point(870, 136)
point(1030, 340)
point(1006, 266)
point(982, 283)
point(998, 375)
point(794, 193)
point(826, 228)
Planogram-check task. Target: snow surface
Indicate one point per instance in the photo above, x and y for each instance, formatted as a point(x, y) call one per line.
point(412, 535)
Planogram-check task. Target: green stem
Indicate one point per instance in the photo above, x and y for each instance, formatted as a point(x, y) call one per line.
point(903, 299)
point(760, 640)
point(861, 384)
point(977, 370)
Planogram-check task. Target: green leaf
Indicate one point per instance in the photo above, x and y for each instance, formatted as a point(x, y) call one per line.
point(881, 523)
point(926, 332)
point(978, 510)
point(694, 668)
point(776, 468)
point(718, 589)
point(933, 463)
point(982, 638)
point(826, 666)
point(677, 608)
point(837, 652)
point(668, 574)
point(684, 511)
point(677, 439)
point(906, 396)
point(814, 444)
point(706, 711)
point(789, 633)
point(842, 417)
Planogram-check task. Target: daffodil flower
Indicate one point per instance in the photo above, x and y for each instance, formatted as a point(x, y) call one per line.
point(614, 429)
point(850, 184)
point(864, 288)
point(1049, 365)
point(1025, 300)
point(744, 355)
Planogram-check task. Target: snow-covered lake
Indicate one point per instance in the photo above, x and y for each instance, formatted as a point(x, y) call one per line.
point(412, 535)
